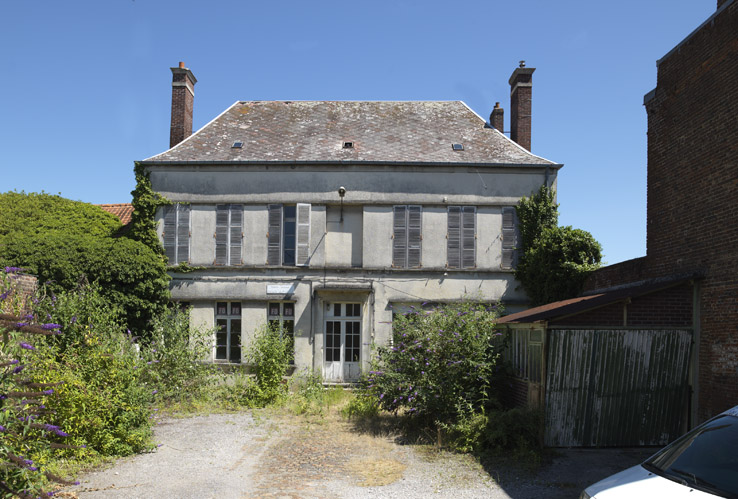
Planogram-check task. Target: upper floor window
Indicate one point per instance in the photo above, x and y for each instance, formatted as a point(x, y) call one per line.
point(177, 233)
point(462, 237)
point(289, 235)
point(228, 234)
point(406, 236)
point(509, 238)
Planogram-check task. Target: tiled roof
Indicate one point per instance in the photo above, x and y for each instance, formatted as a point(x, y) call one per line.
point(315, 131)
point(124, 211)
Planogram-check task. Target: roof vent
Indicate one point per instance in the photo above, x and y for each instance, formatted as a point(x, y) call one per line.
point(457, 147)
point(237, 145)
point(348, 145)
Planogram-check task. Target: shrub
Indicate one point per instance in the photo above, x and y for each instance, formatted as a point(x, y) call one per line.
point(175, 355)
point(441, 363)
point(269, 354)
point(64, 241)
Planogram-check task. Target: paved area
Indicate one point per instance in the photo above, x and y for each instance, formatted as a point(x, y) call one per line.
point(243, 456)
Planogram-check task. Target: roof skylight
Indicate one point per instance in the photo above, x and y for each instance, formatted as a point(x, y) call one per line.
point(457, 147)
point(237, 145)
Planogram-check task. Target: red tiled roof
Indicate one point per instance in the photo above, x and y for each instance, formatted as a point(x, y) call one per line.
point(124, 211)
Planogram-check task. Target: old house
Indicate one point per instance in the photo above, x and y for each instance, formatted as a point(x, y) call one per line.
point(325, 218)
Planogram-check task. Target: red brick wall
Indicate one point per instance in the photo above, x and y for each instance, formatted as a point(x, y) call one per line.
point(619, 273)
point(692, 220)
point(23, 287)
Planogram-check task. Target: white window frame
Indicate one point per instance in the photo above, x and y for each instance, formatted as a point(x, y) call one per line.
point(276, 236)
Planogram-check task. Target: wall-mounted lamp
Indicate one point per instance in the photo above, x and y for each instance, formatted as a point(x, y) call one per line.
point(341, 194)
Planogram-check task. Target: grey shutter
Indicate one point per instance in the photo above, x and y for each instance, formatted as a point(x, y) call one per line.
point(414, 235)
point(170, 233)
point(399, 237)
point(454, 237)
point(509, 237)
point(274, 243)
point(236, 234)
point(221, 234)
point(183, 233)
point(468, 237)
point(302, 253)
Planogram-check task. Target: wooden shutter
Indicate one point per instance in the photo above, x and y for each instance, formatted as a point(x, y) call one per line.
point(414, 235)
point(468, 237)
point(170, 233)
point(274, 243)
point(221, 234)
point(235, 235)
point(454, 237)
point(509, 237)
point(183, 233)
point(399, 237)
point(302, 253)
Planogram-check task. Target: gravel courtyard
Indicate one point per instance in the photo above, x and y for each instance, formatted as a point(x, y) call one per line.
point(252, 455)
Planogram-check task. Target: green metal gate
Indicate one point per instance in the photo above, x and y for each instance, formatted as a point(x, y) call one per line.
point(616, 387)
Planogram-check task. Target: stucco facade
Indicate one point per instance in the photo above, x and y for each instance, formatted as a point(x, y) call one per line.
point(278, 234)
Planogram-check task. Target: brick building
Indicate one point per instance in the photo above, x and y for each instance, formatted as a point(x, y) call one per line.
point(692, 218)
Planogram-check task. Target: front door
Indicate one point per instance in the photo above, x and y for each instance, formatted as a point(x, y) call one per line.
point(342, 342)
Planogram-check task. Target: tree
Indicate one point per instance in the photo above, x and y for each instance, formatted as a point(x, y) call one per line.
point(555, 261)
point(67, 242)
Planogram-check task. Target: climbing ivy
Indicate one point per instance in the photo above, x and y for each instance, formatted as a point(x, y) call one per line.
point(555, 261)
point(145, 202)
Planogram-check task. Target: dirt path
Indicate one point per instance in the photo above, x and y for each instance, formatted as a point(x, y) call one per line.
point(238, 456)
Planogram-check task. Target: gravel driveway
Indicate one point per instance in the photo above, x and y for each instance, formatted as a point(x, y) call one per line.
point(246, 456)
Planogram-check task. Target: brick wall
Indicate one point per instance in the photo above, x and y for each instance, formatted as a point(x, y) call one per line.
point(22, 289)
point(624, 272)
point(692, 220)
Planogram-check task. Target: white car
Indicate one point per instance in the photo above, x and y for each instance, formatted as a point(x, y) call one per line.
point(702, 463)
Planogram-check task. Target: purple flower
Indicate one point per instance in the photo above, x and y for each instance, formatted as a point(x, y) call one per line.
point(154, 392)
point(2, 428)
point(48, 392)
point(26, 346)
point(11, 270)
point(21, 324)
point(73, 319)
point(18, 369)
point(51, 326)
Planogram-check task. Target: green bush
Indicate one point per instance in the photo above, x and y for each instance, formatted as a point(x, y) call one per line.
point(441, 363)
point(175, 358)
point(554, 261)
point(64, 242)
point(269, 355)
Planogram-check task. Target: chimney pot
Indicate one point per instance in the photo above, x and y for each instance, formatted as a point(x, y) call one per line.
point(521, 105)
point(183, 96)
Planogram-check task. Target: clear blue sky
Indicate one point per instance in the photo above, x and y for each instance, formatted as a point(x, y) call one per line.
point(86, 87)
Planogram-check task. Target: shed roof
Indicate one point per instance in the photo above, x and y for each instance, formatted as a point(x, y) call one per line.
point(379, 132)
point(572, 306)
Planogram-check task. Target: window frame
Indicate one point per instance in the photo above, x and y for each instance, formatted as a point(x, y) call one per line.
point(229, 317)
point(228, 235)
point(281, 318)
point(177, 220)
point(407, 236)
point(276, 249)
point(462, 239)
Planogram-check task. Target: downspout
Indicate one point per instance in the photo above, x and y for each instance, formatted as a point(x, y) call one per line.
point(695, 364)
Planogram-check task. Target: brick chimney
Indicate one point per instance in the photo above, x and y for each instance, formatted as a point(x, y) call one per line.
point(496, 119)
point(183, 96)
point(521, 103)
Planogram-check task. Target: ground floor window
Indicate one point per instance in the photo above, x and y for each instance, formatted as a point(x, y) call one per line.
point(228, 334)
point(281, 316)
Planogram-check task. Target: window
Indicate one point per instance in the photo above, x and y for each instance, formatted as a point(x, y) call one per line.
point(228, 334)
point(177, 233)
point(509, 238)
point(289, 235)
point(282, 318)
point(461, 236)
point(228, 234)
point(406, 237)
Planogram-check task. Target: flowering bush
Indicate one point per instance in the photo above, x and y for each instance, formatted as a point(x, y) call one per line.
point(269, 355)
point(441, 363)
point(25, 421)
